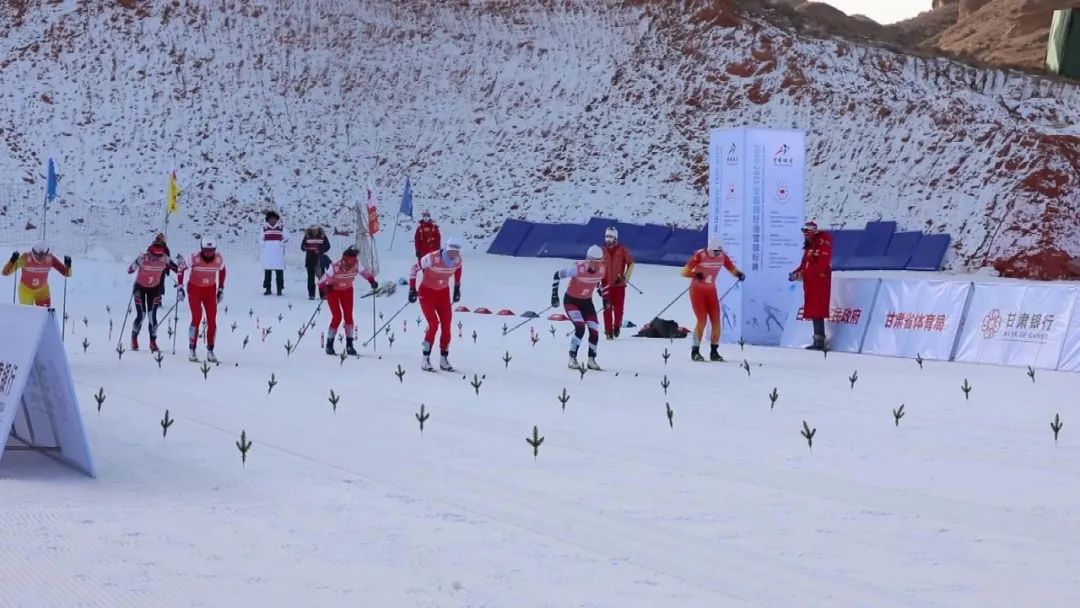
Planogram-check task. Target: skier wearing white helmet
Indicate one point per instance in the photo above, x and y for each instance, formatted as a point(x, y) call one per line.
point(702, 270)
point(436, 268)
point(205, 290)
point(585, 277)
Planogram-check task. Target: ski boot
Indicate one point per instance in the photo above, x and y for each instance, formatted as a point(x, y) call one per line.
point(349, 350)
point(193, 356)
point(153, 345)
point(134, 342)
point(592, 364)
point(444, 363)
point(819, 343)
point(425, 364)
point(608, 335)
point(210, 358)
point(695, 354)
point(330, 346)
point(573, 363)
point(714, 354)
point(616, 332)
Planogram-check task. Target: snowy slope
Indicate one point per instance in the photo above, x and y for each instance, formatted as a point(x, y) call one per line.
point(548, 110)
point(962, 504)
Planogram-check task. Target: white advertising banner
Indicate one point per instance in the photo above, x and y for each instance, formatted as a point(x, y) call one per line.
point(850, 303)
point(1016, 324)
point(38, 406)
point(916, 318)
point(1070, 352)
point(756, 201)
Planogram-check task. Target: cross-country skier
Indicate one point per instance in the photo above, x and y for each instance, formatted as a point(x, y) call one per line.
point(437, 267)
point(702, 270)
point(35, 265)
point(151, 267)
point(337, 287)
point(205, 290)
point(585, 277)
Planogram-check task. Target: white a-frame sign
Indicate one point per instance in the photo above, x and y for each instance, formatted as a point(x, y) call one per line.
point(38, 407)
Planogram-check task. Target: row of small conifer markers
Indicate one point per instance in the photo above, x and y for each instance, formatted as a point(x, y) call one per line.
point(535, 441)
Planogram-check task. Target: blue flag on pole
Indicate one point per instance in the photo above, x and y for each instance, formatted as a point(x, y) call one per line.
point(406, 199)
point(50, 183)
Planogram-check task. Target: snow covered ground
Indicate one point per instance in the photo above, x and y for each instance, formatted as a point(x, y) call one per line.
point(965, 503)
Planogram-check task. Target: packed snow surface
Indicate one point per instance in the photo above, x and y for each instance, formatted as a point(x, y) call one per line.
point(965, 503)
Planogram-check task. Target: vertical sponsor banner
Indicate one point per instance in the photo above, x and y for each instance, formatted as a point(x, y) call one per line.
point(1070, 352)
point(1016, 324)
point(726, 217)
point(850, 304)
point(916, 318)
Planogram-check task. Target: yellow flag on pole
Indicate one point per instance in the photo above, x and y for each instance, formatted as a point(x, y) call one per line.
point(172, 203)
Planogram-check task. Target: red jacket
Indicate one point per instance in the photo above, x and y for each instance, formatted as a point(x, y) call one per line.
point(617, 264)
point(816, 271)
point(427, 238)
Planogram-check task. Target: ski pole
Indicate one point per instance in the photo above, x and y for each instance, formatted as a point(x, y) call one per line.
point(632, 285)
point(309, 322)
point(124, 324)
point(728, 290)
point(672, 303)
point(374, 294)
point(14, 284)
point(63, 327)
point(528, 320)
point(387, 324)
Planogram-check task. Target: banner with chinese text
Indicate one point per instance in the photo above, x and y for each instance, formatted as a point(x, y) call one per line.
point(1016, 324)
point(850, 303)
point(916, 318)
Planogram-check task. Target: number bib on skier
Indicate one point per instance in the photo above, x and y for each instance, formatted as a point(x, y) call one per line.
point(205, 273)
point(583, 282)
point(150, 270)
point(438, 270)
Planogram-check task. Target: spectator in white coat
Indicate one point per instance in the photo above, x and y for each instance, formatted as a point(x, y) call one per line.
point(273, 252)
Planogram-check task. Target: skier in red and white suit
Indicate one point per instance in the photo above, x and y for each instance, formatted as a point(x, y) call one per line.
point(337, 287)
point(151, 267)
point(434, 294)
point(205, 290)
point(585, 277)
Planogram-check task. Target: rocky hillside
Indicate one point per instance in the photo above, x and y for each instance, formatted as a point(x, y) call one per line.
point(554, 109)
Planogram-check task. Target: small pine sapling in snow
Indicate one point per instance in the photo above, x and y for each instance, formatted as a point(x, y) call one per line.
point(246, 338)
point(505, 329)
point(582, 370)
point(418, 321)
point(380, 316)
point(746, 365)
point(391, 339)
point(225, 309)
point(400, 373)
point(1031, 374)
point(476, 382)
point(460, 327)
point(169, 330)
point(665, 383)
point(166, 422)
point(280, 317)
point(966, 387)
point(742, 344)
point(853, 378)
point(108, 309)
point(100, 398)
point(205, 369)
point(342, 356)
point(670, 416)
point(773, 396)
point(288, 348)
point(422, 417)
point(85, 322)
point(506, 360)
point(563, 398)
point(919, 359)
point(552, 330)
point(233, 327)
point(271, 383)
point(334, 399)
point(119, 352)
point(244, 445)
point(1056, 427)
point(666, 355)
point(535, 441)
point(474, 336)
point(534, 337)
point(898, 414)
point(290, 307)
point(85, 345)
point(251, 312)
point(158, 358)
point(808, 434)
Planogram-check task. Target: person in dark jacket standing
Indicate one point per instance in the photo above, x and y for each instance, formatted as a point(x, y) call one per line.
point(815, 272)
point(314, 245)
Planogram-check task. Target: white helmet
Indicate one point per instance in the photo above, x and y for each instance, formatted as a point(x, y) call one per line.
point(40, 248)
point(611, 233)
point(208, 243)
point(715, 244)
point(452, 244)
point(594, 253)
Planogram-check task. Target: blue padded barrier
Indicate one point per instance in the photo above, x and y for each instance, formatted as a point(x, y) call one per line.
point(510, 236)
point(592, 233)
point(684, 241)
point(896, 257)
point(653, 237)
point(562, 249)
point(542, 234)
point(844, 244)
point(875, 239)
point(930, 252)
point(629, 234)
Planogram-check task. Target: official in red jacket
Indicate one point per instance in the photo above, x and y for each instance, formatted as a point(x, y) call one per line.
point(815, 272)
point(618, 265)
point(427, 236)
